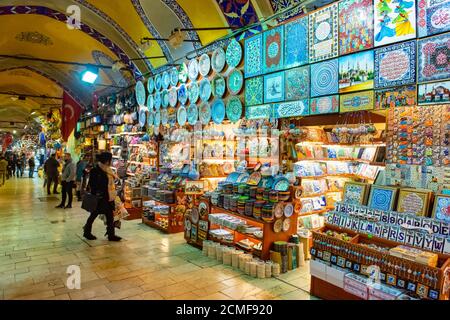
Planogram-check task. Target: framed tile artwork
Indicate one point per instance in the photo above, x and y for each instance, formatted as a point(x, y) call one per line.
point(324, 105)
point(395, 65)
point(273, 49)
point(434, 93)
point(355, 25)
point(323, 33)
point(357, 101)
point(274, 87)
point(382, 198)
point(253, 56)
point(433, 58)
point(258, 112)
point(355, 193)
point(404, 96)
point(291, 109)
point(324, 78)
point(356, 72)
point(441, 209)
point(433, 17)
point(297, 83)
point(296, 43)
point(413, 201)
point(254, 91)
point(395, 21)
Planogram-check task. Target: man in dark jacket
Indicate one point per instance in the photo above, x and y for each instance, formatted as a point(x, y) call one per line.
point(68, 176)
point(51, 171)
point(31, 166)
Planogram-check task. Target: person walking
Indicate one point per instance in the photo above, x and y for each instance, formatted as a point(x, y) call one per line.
point(14, 163)
point(101, 184)
point(21, 163)
point(31, 165)
point(10, 170)
point(68, 177)
point(51, 171)
point(81, 166)
point(3, 169)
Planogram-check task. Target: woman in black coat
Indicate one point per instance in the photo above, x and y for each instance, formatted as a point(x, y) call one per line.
point(101, 184)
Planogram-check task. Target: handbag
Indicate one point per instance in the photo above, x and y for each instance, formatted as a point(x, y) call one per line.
point(90, 202)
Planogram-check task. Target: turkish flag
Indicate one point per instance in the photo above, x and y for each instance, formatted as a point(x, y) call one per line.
point(70, 113)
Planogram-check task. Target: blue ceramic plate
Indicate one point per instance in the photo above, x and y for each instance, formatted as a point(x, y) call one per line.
point(243, 178)
point(204, 64)
point(174, 76)
point(164, 117)
point(218, 60)
point(235, 82)
point(183, 73)
point(266, 182)
point(181, 116)
point(192, 114)
point(280, 184)
point(173, 97)
point(219, 86)
point(182, 94)
point(193, 92)
point(150, 118)
point(218, 111)
point(165, 99)
point(158, 82)
point(172, 112)
point(205, 90)
point(150, 85)
point(150, 102)
point(165, 80)
point(142, 118)
point(140, 93)
point(157, 100)
point(157, 119)
point(193, 69)
point(205, 113)
point(232, 177)
point(234, 109)
point(234, 53)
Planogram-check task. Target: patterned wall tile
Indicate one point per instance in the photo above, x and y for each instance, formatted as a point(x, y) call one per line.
point(324, 78)
point(297, 83)
point(323, 33)
point(296, 43)
point(274, 87)
point(253, 56)
point(434, 58)
point(254, 91)
point(273, 49)
point(433, 17)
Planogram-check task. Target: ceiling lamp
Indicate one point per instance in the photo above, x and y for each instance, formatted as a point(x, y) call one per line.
point(90, 75)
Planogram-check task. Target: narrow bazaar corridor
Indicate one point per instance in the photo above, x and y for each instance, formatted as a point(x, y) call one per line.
point(39, 242)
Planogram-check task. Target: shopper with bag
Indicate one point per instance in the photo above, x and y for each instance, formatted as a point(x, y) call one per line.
point(101, 187)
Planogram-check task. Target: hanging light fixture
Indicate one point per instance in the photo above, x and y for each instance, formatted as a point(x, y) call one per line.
point(90, 75)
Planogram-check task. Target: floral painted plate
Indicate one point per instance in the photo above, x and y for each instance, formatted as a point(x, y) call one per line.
point(232, 177)
point(157, 119)
point(204, 64)
point(164, 117)
point(192, 114)
point(281, 184)
point(234, 53)
point(218, 60)
point(140, 93)
point(150, 85)
point(158, 82)
point(165, 80)
point(165, 99)
point(172, 112)
point(234, 109)
point(173, 97)
point(218, 111)
point(288, 210)
point(235, 81)
point(205, 90)
point(174, 76)
point(182, 94)
point(243, 178)
point(278, 226)
point(193, 92)
point(193, 69)
point(219, 86)
point(183, 73)
point(151, 118)
point(205, 113)
point(142, 118)
point(286, 224)
point(157, 101)
point(150, 102)
point(181, 116)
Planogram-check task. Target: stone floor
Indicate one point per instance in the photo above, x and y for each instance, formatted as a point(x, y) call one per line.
point(38, 243)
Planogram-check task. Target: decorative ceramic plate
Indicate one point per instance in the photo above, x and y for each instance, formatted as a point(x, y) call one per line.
point(173, 97)
point(281, 184)
point(204, 64)
point(234, 109)
point(174, 76)
point(219, 86)
point(254, 179)
point(193, 69)
point(157, 119)
point(165, 80)
point(232, 177)
point(192, 114)
point(195, 216)
point(218, 60)
point(164, 117)
point(158, 82)
point(151, 118)
point(183, 73)
point(288, 210)
point(193, 92)
point(157, 101)
point(205, 90)
point(165, 99)
point(234, 53)
point(278, 211)
point(182, 94)
point(203, 208)
point(235, 81)
point(150, 102)
point(181, 116)
point(140, 93)
point(187, 225)
point(150, 85)
point(172, 112)
point(278, 226)
point(243, 178)
point(205, 113)
point(142, 118)
point(286, 224)
point(218, 111)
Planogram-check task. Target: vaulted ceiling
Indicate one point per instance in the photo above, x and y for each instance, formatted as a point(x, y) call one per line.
point(110, 31)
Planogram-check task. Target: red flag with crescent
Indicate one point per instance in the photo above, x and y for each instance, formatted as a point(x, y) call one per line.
point(70, 113)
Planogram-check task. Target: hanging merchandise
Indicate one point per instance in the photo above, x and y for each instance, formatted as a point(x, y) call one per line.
point(192, 114)
point(182, 94)
point(218, 60)
point(193, 92)
point(218, 111)
point(193, 69)
point(204, 64)
point(205, 90)
point(174, 76)
point(218, 86)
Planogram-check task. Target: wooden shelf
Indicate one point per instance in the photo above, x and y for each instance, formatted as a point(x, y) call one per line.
point(221, 210)
point(159, 202)
point(154, 225)
point(246, 235)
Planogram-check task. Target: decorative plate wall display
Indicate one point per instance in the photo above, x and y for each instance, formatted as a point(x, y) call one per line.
point(278, 226)
point(165, 80)
point(278, 210)
point(288, 210)
point(193, 69)
point(254, 93)
point(164, 117)
point(205, 90)
point(323, 33)
point(234, 109)
point(234, 53)
point(296, 43)
point(324, 78)
point(157, 101)
point(274, 87)
point(253, 56)
point(157, 119)
point(192, 114)
point(158, 82)
point(182, 94)
point(218, 111)
point(150, 85)
point(150, 102)
point(181, 116)
point(173, 97)
point(151, 118)
point(140, 93)
point(218, 60)
point(205, 113)
point(297, 83)
point(286, 225)
point(183, 73)
point(193, 92)
point(218, 86)
point(235, 81)
point(174, 76)
point(142, 118)
point(273, 52)
point(165, 99)
point(204, 64)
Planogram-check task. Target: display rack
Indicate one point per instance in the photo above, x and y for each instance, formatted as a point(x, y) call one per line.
point(174, 220)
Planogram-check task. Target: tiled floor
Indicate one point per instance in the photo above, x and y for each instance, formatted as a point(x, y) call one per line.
point(38, 243)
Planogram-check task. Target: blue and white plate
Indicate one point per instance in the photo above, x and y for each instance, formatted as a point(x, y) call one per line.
point(218, 60)
point(150, 85)
point(173, 96)
point(243, 178)
point(235, 81)
point(157, 119)
point(158, 82)
point(165, 99)
point(174, 76)
point(192, 114)
point(142, 118)
point(232, 177)
point(234, 109)
point(204, 64)
point(205, 113)
point(151, 118)
point(150, 102)
point(181, 116)
point(182, 94)
point(157, 101)
point(193, 92)
point(219, 86)
point(172, 112)
point(281, 184)
point(234, 53)
point(140, 93)
point(164, 117)
point(205, 90)
point(218, 111)
point(183, 73)
point(165, 80)
point(193, 69)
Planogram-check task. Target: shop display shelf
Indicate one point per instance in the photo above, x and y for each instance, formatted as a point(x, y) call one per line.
point(154, 225)
point(221, 210)
point(244, 235)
